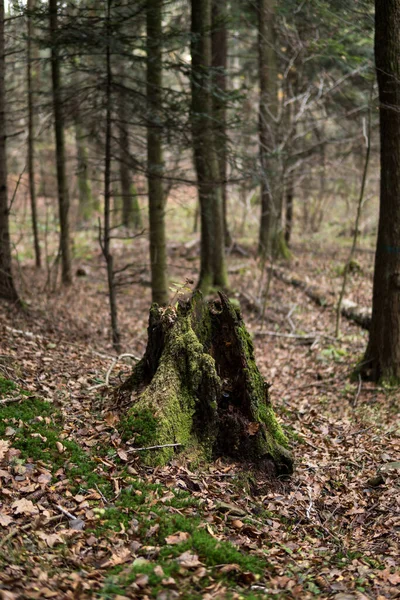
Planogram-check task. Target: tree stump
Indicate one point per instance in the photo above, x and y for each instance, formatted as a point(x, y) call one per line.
point(198, 385)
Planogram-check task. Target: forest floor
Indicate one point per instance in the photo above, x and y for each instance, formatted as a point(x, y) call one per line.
point(80, 517)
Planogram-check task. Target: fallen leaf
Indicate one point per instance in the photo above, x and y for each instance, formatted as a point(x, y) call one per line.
point(118, 557)
point(253, 428)
point(4, 445)
point(237, 524)
point(25, 507)
point(188, 560)
point(122, 454)
point(60, 447)
point(177, 538)
point(142, 580)
point(169, 581)
point(5, 520)
point(229, 568)
point(44, 478)
point(111, 418)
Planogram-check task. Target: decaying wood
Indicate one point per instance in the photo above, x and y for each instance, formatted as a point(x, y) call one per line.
point(198, 385)
point(322, 297)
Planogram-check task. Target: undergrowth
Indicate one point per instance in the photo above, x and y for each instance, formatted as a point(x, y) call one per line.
point(35, 427)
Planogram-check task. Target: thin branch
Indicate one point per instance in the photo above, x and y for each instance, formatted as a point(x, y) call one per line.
point(155, 447)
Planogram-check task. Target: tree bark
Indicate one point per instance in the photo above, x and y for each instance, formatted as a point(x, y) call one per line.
point(7, 288)
point(271, 202)
point(289, 208)
point(107, 193)
point(63, 200)
point(131, 216)
point(85, 196)
point(382, 358)
point(219, 64)
point(212, 258)
point(198, 385)
point(31, 126)
point(155, 161)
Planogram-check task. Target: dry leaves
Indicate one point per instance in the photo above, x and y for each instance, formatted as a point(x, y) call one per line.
point(24, 507)
point(177, 538)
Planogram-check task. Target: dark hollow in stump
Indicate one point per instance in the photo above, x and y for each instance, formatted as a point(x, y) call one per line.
point(198, 385)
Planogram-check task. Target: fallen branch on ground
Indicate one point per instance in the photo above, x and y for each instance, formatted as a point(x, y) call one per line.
point(154, 447)
point(108, 374)
point(12, 399)
point(350, 310)
point(309, 337)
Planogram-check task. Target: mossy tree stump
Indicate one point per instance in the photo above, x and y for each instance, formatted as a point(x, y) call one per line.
point(198, 385)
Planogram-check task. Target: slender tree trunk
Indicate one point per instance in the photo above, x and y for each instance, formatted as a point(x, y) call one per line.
point(63, 200)
point(289, 207)
point(155, 164)
point(107, 194)
point(7, 288)
point(130, 206)
point(219, 64)
point(85, 197)
point(382, 359)
point(212, 266)
point(271, 204)
point(31, 126)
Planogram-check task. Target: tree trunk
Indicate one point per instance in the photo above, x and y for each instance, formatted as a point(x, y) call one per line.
point(31, 126)
point(382, 358)
point(212, 265)
point(106, 244)
point(289, 208)
point(270, 233)
point(63, 200)
point(198, 386)
point(155, 162)
point(85, 197)
point(219, 64)
point(7, 288)
point(131, 216)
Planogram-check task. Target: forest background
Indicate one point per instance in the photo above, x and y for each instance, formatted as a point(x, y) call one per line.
point(153, 147)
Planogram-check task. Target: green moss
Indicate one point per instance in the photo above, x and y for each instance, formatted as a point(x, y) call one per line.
point(139, 425)
point(184, 402)
point(38, 428)
point(261, 409)
point(171, 396)
point(6, 386)
point(210, 551)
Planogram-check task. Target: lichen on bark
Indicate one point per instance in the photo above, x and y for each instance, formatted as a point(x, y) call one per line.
point(200, 382)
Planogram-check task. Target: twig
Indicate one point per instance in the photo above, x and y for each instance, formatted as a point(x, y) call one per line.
point(310, 506)
point(101, 494)
point(65, 512)
point(110, 368)
point(154, 447)
point(12, 399)
point(16, 189)
point(293, 336)
point(354, 402)
point(289, 317)
point(14, 532)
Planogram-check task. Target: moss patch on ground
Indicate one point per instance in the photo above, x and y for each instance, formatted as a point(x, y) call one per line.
point(148, 513)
